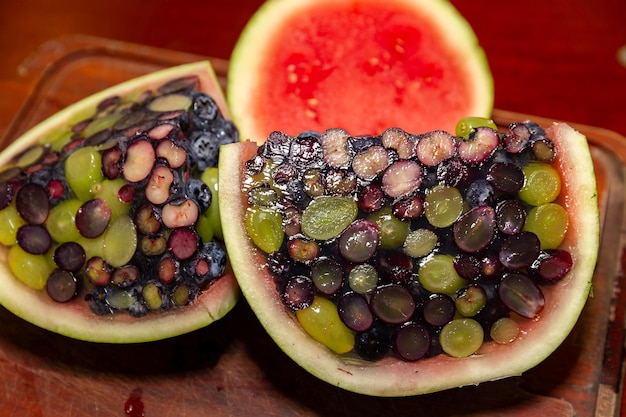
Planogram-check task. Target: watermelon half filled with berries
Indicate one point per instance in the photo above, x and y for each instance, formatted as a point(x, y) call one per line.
point(109, 221)
point(401, 264)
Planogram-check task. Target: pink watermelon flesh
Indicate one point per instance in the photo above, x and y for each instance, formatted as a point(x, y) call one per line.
point(361, 68)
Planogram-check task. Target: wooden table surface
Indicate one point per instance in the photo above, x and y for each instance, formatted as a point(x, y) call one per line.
point(560, 59)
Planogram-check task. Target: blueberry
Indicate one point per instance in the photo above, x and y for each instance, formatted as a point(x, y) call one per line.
point(205, 146)
point(41, 176)
point(480, 193)
point(97, 300)
point(200, 193)
point(204, 111)
point(226, 132)
point(276, 147)
point(296, 193)
point(535, 129)
point(310, 134)
point(137, 309)
point(361, 143)
point(374, 343)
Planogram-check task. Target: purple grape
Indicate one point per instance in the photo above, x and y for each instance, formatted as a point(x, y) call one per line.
point(490, 266)
point(520, 250)
point(467, 266)
point(92, 218)
point(392, 304)
point(412, 341)
point(62, 286)
point(355, 312)
point(551, 266)
point(359, 241)
point(409, 208)
point(32, 203)
point(506, 177)
point(510, 216)
point(521, 295)
point(370, 198)
point(125, 276)
point(69, 256)
point(298, 293)
point(475, 229)
point(34, 238)
point(452, 172)
point(481, 144)
point(183, 243)
point(516, 140)
point(393, 266)
point(6, 194)
point(438, 310)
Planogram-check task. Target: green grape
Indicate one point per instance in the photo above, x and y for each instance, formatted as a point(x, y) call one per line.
point(58, 138)
point(392, 231)
point(363, 278)
point(461, 337)
point(443, 205)
point(437, 275)
point(107, 190)
point(420, 243)
point(321, 321)
point(10, 221)
point(31, 270)
point(93, 247)
point(549, 222)
point(180, 295)
point(102, 123)
point(204, 227)
point(30, 156)
point(121, 300)
point(61, 223)
point(83, 169)
point(265, 228)
point(327, 216)
point(466, 125)
point(262, 196)
point(470, 300)
point(504, 330)
point(170, 102)
point(210, 178)
point(542, 184)
point(152, 296)
point(120, 241)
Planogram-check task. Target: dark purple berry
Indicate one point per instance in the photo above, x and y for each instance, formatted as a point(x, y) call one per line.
point(298, 293)
point(355, 312)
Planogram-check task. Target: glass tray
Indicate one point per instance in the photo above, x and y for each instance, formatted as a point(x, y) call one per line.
point(232, 368)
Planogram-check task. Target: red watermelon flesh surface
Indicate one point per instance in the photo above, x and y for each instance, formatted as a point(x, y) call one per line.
point(363, 66)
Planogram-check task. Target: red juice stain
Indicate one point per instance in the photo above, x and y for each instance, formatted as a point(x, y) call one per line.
point(133, 406)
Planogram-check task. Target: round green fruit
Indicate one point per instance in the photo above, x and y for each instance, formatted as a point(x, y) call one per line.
point(312, 64)
point(468, 362)
point(164, 95)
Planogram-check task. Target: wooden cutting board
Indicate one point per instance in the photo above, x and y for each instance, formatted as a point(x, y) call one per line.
point(232, 368)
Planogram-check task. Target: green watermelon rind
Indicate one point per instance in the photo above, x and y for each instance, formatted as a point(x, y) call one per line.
point(74, 319)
